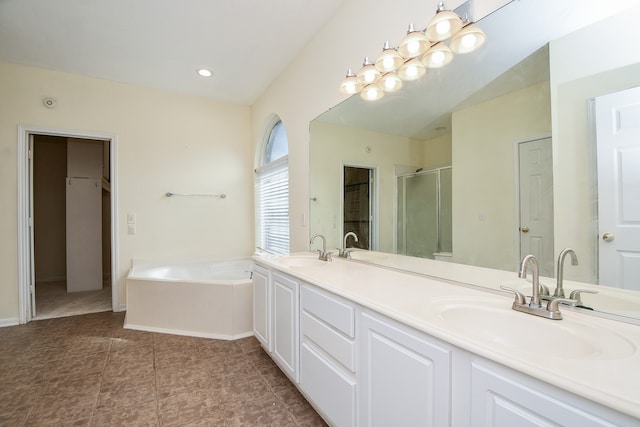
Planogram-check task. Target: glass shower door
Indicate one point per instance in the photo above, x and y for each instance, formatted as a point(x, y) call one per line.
point(421, 215)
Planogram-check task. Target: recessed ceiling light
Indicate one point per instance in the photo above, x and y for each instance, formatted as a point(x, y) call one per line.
point(205, 72)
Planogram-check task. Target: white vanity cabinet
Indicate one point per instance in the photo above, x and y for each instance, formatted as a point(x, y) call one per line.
point(328, 354)
point(285, 324)
point(262, 306)
point(502, 397)
point(276, 318)
point(404, 375)
point(359, 367)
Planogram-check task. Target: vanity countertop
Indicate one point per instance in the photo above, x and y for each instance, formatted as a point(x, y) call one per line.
point(608, 374)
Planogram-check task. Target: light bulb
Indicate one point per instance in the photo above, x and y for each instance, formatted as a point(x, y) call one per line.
point(437, 58)
point(388, 63)
point(371, 93)
point(468, 41)
point(390, 84)
point(413, 47)
point(443, 27)
point(369, 77)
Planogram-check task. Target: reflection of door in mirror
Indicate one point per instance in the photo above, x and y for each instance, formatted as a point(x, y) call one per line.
point(424, 214)
point(536, 202)
point(618, 157)
point(357, 212)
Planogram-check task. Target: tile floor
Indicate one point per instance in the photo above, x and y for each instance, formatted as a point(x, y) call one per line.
point(89, 371)
point(52, 300)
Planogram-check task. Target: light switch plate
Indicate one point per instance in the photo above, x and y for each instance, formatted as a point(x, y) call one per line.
point(131, 218)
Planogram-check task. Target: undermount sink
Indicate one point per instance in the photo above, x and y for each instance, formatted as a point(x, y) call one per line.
point(494, 322)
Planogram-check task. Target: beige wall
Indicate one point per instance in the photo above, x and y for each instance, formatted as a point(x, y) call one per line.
point(437, 152)
point(576, 78)
point(484, 138)
point(332, 147)
point(165, 142)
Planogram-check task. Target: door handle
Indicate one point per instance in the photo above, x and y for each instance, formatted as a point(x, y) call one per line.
point(608, 237)
point(524, 229)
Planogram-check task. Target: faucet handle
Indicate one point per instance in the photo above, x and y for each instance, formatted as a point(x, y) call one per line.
point(575, 295)
point(544, 289)
point(519, 296)
point(552, 305)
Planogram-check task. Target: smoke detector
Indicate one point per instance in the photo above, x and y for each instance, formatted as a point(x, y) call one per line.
point(50, 102)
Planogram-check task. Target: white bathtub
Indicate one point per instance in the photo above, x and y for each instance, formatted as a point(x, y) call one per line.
point(200, 299)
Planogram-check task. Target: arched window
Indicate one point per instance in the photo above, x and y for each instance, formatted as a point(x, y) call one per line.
point(272, 192)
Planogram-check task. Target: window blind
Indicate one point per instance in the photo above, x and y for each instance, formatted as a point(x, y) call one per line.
point(272, 204)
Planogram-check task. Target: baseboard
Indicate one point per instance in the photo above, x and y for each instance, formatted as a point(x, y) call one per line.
point(9, 322)
point(186, 333)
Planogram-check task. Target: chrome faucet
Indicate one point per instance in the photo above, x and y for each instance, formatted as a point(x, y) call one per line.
point(344, 252)
point(323, 255)
point(530, 259)
point(534, 307)
point(559, 292)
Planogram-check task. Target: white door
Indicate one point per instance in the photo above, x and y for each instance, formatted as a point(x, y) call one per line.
point(84, 234)
point(618, 157)
point(536, 202)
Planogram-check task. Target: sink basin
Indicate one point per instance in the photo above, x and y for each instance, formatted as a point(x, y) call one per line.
point(301, 261)
point(494, 322)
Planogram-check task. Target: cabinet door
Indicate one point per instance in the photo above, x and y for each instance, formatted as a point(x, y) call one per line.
point(262, 306)
point(285, 324)
point(504, 398)
point(404, 376)
point(332, 392)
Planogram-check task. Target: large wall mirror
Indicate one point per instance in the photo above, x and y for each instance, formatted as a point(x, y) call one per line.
point(501, 142)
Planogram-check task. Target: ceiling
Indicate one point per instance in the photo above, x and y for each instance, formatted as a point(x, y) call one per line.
point(161, 43)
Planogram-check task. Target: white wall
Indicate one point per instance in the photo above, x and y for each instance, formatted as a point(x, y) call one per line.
point(165, 142)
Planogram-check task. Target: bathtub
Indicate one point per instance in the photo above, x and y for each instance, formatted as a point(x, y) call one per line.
point(200, 299)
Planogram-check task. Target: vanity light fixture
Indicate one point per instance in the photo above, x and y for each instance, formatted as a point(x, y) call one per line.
point(413, 69)
point(438, 56)
point(205, 72)
point(415, 43)
point(389, 60)
point(418, 50)
point(443, 25)
point(371, 92)
point(468, 39)
point(390, 82)
point(350, 85)
point(368, 74)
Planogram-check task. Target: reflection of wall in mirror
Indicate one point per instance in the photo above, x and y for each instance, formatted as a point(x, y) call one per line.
point(333, 146)
point(484, 204)
point(594, 61)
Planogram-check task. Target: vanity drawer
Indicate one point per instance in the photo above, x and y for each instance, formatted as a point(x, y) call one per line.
point(333, 343)
point(330, 310)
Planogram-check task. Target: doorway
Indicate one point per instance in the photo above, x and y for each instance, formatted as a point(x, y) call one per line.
point(357, 186)
point(535, 187)
point(66, 222)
